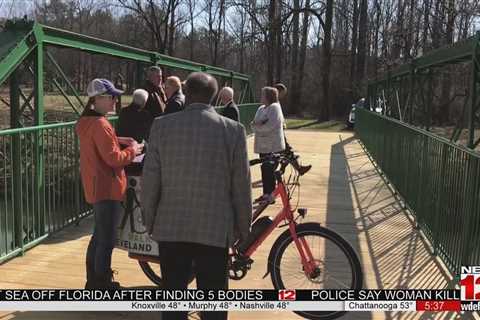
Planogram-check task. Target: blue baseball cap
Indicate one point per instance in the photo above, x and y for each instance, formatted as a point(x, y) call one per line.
point(98, 87)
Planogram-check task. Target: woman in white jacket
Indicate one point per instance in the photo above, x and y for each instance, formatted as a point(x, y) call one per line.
point(269, 137)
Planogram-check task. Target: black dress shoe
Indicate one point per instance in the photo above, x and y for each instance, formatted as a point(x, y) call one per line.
point(304, 169)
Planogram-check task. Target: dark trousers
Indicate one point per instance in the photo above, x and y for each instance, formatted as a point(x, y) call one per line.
point(102, 242)
point(176, 259)
point(268, 176)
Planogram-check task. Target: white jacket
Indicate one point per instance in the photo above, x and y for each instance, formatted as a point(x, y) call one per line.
point(268, 127)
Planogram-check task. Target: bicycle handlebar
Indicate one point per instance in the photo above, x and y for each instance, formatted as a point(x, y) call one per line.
point(255, 161)
point(284, 159)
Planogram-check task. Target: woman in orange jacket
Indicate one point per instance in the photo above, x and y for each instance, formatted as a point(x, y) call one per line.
point(103, 178)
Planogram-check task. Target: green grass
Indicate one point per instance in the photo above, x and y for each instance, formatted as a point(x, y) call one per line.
point(314, 124)
point(58, 102)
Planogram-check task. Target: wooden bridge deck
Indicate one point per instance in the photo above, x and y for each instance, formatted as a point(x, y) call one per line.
point(342, 191)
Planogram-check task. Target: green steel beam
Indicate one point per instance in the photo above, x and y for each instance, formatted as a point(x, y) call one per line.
point(15, 47)
point(63, 38)
point(464, 51)
point(65, 95)
point(459, 52)
point(67, 81)
point(26, 102)
point(39, 199)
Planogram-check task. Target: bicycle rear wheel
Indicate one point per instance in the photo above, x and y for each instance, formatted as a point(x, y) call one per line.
point(336, 265)
point(152, 271)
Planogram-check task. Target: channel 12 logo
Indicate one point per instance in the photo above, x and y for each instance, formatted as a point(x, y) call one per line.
point(287, 294)
point(470, 283)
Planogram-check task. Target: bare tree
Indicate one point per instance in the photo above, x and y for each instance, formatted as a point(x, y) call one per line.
point(362, 40)
point(354, 46)
point(156, 16)
point(327, 56)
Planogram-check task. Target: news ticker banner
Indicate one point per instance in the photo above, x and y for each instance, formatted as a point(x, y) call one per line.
point(234, 300)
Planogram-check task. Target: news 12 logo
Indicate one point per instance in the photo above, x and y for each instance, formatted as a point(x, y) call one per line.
point(287, 294)
point(470, 283)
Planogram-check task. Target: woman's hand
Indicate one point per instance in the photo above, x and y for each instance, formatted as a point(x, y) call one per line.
point(126, 141)
point(137, 147)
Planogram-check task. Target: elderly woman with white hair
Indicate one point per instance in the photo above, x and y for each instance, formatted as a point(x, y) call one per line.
point(135, 121)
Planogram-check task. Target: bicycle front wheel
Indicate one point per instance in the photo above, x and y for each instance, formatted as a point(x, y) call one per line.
point(336, 265)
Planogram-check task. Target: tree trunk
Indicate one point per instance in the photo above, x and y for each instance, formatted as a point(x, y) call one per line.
point(218, 33)
point(437, 25)
point(398, 34)
point(410, 32)
point(327, 60)
point(362, 41)
point(271, 41)
point(378, 12)
point(353, 59)
point(303, 46)
point(294, 81)
point(278, 42)
point(191, 9)
point(426, 24)
point(171, 32)
point(242, 42)
point(447, 81)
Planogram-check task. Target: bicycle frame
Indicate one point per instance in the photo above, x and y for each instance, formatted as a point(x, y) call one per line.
point(285, 213)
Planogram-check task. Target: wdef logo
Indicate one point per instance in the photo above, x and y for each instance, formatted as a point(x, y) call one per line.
point(470, 283)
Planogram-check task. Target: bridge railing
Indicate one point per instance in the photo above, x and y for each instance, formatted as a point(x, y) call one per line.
point(30, 212)
point(439, 182)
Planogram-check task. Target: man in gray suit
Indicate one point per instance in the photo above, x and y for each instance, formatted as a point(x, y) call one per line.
point(196, 190)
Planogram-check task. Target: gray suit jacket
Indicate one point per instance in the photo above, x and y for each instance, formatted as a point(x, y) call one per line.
point(196, 178)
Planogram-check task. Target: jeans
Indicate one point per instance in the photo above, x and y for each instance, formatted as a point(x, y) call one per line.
point(176, 260)
point(99, 252)
point(268, 177)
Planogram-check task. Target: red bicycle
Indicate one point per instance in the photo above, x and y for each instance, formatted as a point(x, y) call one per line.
point(305, 256)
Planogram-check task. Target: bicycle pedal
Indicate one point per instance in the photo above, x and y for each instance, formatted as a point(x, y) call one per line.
point(302, 212)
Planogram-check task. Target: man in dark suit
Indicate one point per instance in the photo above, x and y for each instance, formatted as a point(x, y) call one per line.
point(196, 193)
point(156, 95)
point(230, 110)
point(176, 99)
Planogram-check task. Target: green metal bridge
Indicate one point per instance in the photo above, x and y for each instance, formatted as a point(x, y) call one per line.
point(40, 185)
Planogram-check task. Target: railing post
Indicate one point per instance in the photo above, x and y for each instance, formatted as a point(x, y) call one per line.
point(411, 89)
point(16, 162)
point(469, 234)
point(440, 196)
point(39, 196)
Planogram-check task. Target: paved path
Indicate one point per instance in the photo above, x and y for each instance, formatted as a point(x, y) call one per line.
point(343, 191)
